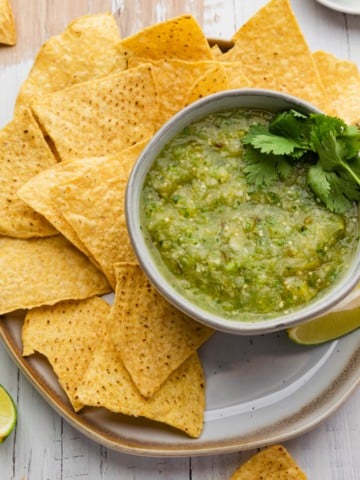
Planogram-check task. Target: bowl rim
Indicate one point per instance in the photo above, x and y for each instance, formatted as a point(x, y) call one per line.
point(222, 101)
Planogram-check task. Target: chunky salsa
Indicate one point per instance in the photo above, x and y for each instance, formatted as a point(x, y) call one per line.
point(238, 249)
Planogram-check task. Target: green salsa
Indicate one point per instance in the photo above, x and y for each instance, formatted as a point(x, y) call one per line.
point(237, 249)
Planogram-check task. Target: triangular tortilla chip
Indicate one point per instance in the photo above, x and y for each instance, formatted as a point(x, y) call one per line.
point(275, 55)
point(23, 154)
point(152, 337)
point(341, 79)
point(36, 193)
point(7, 24)
point(67, 334)
point(44, 271)
point(272, 463)
point(102, 116)
point(93, 205)
point(180, 37)
point(180, 402)
point(85, 50)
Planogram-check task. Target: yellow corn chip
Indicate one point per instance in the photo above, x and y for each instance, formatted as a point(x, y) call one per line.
point(93, 205)
point(23, 154)
point(212, 81)
point(341, 79)
point(152, 336)
point(275, 55)
point(174, 80)
point(85, 50)
point(102, 116)
point(67, 334)
point(235, 74)
point(179, 403)
point(36, 193)
point(272, 463)
point(44, 271)
point(179, 37)
point(7, 24)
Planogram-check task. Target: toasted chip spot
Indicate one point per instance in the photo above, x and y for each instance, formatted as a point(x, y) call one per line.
point(272, 463)
point(179, 403)
point(152, 337)
point(7, 24)
point(23, 154)
point(44, 271)
point(67, 334)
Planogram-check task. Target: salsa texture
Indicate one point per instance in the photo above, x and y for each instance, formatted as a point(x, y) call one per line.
point(237, 249)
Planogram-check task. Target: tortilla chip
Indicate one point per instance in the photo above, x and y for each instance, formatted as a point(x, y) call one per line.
point(180, 37)
point(7, 24)
point(23, 154)
point(174, 80)
point(272, 463)
point(275, 55)
point(36, 193)
point(180, 402)
point(152, 337)
point(44, 271)
point(100, 117)
point(341, 79)
point(212, 81)
point(93, 205)
point(67, 334)
point(85, 50)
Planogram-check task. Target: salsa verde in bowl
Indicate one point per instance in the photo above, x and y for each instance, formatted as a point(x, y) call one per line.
point(240, 257)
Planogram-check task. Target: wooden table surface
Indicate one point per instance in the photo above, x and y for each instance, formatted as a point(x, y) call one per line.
point(44, 446)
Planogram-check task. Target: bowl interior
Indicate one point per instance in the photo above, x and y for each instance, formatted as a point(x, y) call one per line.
point(223, 101)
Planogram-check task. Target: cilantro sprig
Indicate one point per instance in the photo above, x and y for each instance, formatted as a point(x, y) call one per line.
point(331, 147)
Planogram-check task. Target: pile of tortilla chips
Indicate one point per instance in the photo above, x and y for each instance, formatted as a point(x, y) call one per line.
point(90, 104)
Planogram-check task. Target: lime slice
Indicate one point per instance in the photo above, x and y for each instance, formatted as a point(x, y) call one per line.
point(8, 414)
point(338, 322)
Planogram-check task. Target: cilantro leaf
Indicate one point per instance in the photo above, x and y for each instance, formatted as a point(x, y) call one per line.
point(292, 136)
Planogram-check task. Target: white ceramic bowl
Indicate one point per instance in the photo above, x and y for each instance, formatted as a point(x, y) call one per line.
point(223, 101)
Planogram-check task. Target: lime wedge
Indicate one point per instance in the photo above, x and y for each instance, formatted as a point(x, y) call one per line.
point(338, 322)
point(8, 414)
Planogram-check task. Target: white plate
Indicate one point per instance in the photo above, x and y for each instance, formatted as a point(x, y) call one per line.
point(260, 390)
point(345, 6)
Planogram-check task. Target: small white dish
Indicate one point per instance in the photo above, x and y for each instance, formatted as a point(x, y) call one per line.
point(344, 6)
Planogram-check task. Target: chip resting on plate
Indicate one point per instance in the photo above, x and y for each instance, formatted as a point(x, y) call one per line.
point(179, 403)
point(101, 116)
point(23, 154)
point(7, 24)
point(44, 271)
point(341, 79)
point(274, 54)
point(85, 50)
point(180, 37)
point(271, 463)
point(67, 334)
point(92, 204)
point(152, 337)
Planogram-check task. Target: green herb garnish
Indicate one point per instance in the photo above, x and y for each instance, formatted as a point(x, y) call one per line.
point(329, 145)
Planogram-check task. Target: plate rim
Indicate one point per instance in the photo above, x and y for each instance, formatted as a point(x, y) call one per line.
point(340, 8)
